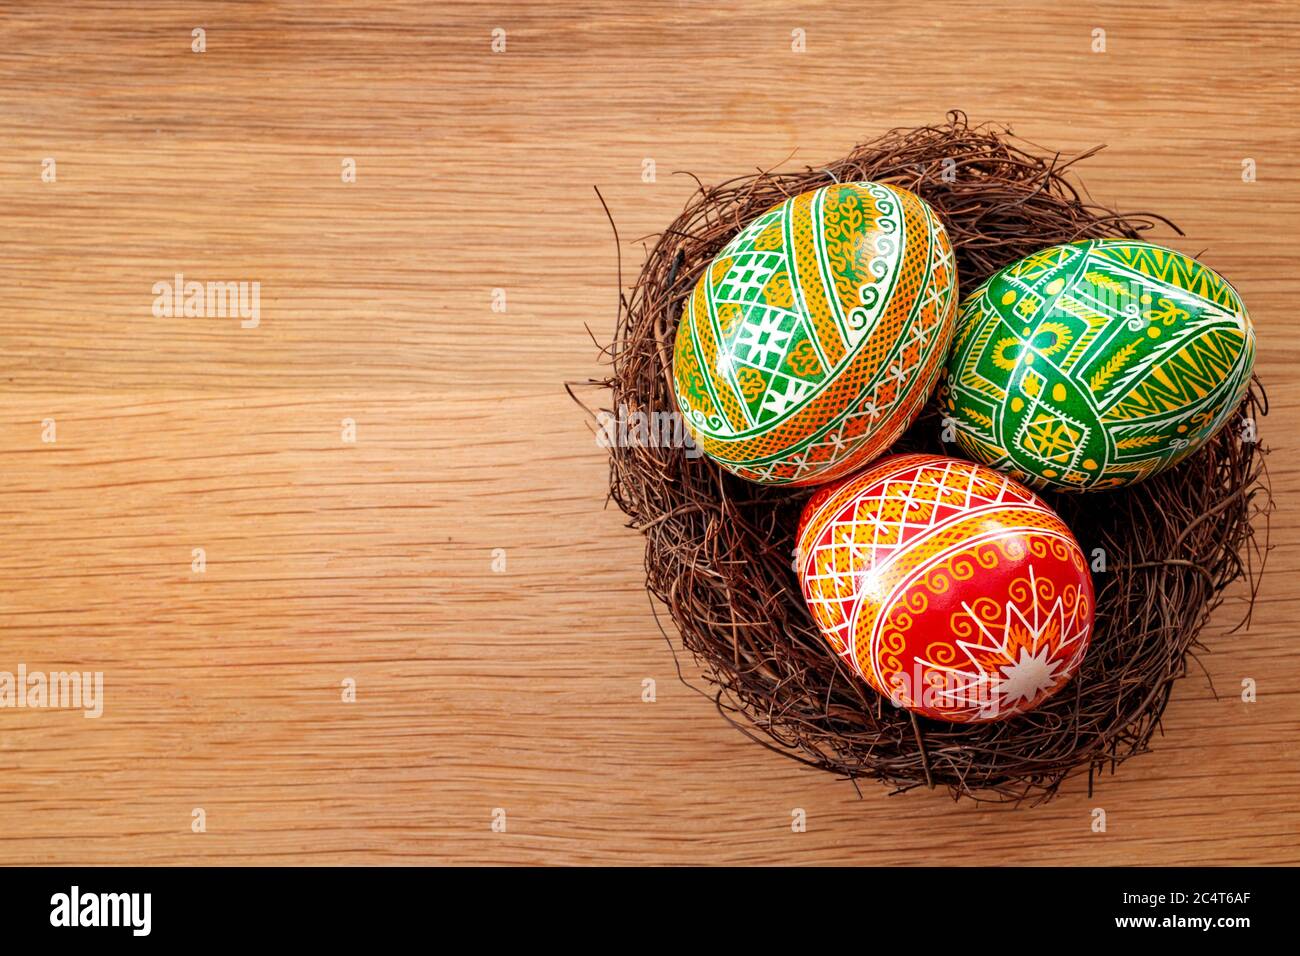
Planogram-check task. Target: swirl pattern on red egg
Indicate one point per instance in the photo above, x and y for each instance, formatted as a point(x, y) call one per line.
point(947, 586)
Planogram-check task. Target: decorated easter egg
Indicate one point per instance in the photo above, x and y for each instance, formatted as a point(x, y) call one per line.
point(947, 586)
point(1096, 364)
point(816, 335)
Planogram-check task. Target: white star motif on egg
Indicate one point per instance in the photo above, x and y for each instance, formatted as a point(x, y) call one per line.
point(1028, 677)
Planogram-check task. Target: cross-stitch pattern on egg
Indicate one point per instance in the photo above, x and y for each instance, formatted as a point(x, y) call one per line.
point(816, 335)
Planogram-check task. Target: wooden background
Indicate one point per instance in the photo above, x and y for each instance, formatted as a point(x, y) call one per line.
point(373, 560)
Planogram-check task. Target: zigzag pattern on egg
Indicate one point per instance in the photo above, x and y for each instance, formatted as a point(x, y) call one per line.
point(1097, 364)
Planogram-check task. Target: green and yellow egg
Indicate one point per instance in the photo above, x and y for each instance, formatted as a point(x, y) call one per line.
point(1096, 364)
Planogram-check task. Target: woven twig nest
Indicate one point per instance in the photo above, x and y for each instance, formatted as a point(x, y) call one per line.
point(719, 550)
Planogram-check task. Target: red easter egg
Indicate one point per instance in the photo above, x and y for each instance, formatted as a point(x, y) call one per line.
point(946, 586)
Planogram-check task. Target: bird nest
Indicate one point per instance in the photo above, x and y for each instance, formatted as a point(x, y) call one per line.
point(719, 550)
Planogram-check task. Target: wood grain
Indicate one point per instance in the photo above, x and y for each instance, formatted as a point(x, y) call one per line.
point(327, 560)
